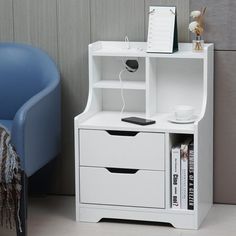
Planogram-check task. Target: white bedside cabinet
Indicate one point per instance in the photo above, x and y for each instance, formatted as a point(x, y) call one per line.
point(123, 170)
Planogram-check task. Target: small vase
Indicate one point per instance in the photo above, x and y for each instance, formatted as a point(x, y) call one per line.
point(198, 44)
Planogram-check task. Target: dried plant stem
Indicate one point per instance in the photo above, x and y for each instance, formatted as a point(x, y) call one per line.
point(198, 46)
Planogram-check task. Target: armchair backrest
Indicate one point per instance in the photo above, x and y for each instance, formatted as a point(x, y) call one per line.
point(24, 71)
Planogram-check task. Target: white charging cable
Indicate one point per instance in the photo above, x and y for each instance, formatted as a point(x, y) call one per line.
point(127, 42)
point(122, 91)
point(120, 78)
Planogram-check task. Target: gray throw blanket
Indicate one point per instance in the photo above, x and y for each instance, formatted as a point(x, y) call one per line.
point(10, 182)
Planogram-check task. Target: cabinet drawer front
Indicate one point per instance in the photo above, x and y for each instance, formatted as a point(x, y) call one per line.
point(122, 149)
point(102, 186)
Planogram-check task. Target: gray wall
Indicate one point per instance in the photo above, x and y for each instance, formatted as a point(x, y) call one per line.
point(64, 28)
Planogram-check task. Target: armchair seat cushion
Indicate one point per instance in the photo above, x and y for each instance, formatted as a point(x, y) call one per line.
point(7, 124)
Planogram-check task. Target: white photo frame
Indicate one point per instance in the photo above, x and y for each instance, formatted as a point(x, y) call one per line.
point(162, 30)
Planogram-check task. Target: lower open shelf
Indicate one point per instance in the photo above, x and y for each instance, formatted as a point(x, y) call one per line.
point(182, 171)
point(108, 120)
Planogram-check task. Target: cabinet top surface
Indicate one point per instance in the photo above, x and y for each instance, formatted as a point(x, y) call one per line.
point(108, 120)
point(138, 49)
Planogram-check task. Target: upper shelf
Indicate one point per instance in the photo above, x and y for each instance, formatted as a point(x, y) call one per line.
point(111, 84)
point(138, 49)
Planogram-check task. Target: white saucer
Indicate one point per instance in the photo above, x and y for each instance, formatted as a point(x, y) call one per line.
point(172, 119)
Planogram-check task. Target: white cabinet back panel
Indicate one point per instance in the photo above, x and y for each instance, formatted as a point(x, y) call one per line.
point(142, 151)
point(112, 66)
point(143, 189)
point(134, 100)
point(178, 82)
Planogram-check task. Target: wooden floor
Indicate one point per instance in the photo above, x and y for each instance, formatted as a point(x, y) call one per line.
point(54, 216)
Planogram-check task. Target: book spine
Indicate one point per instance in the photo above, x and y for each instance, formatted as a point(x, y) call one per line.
point(184, 176)
point(175, 178)
point(191, 179)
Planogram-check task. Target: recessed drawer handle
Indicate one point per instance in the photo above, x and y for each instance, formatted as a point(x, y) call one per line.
point(122, 133)
point(122, 171)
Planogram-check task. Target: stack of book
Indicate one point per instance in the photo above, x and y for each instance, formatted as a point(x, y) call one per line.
point(182, 175)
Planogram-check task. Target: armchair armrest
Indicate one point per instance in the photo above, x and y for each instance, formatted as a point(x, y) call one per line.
point(36, 129)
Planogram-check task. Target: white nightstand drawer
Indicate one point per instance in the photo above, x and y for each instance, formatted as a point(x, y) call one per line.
point(114, 187)
point(122, 149)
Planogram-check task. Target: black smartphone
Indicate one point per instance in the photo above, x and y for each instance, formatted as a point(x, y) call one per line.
point(138, 121)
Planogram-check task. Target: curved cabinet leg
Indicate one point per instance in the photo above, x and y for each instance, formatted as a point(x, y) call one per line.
point(90, 219)
point(184, 225)
point(89, 215)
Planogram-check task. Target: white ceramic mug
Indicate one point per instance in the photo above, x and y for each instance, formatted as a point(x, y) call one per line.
point(183, 112)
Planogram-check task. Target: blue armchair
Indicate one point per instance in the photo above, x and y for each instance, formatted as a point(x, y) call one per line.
point(30, 107)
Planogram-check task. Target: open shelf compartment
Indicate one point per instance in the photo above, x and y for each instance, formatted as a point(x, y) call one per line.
point(175, 140)
point(110, 73)
point(173, 82)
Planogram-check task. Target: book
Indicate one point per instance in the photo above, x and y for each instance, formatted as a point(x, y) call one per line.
point(191, 178)
point(175, 176)
point(184, 160)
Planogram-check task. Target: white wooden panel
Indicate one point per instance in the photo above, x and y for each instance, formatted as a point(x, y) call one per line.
point(112, 120)
point(114, 19)
point(144, 188)
point(182, 14)
point(134, 100)
point(179, 82)
point(203, 146)
point(138, 50)
point(151, 104)
point(6, 20)
point(142, 151)
point(111, 84)
point(35, 22)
